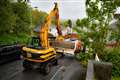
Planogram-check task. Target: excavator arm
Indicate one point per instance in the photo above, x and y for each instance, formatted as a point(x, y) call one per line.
point(45, 27)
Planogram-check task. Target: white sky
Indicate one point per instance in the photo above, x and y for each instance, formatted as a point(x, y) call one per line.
point(68, 9)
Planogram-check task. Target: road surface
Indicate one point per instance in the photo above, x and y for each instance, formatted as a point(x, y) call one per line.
point(72, 71)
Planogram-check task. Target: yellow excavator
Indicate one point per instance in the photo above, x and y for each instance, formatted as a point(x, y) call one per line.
point(39, 52)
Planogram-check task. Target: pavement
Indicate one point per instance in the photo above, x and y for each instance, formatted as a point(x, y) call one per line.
point(67, 69)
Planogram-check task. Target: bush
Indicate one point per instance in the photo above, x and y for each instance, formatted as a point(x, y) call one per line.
point(113, 55)
point(83, 57)
point(109, 55)
point(115, 78)
point(11, 38)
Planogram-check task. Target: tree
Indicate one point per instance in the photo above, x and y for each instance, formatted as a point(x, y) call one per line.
point(67, 23)
point(7, 17)
point(78, 22)
point(100, 13)
point(38, 17)
point(23, 18)
point(70, 23)
point(64, 23)
point(83, 31)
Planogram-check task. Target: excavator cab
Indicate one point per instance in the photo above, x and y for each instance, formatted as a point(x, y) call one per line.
point(34, 42)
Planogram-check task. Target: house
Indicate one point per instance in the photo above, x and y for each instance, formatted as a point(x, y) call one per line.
point(114, 27)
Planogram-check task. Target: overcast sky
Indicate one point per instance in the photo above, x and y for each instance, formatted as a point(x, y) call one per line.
point(68, 9)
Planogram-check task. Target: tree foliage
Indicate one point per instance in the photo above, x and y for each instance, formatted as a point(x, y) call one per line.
point(14, 17)
point(7, 17)
point(38, 17)
point(95, 28)
point(23, 17)
point(66, 23)
point(69, 23)
point(14, 21)
point(78, 22)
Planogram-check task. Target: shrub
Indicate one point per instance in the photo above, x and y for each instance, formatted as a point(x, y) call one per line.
point(113, 55)
point(83, 57)
point(11, 38)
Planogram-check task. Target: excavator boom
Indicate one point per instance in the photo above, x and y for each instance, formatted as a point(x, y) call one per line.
point(45, 27)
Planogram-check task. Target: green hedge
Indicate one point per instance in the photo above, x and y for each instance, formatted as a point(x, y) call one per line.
point(110, 55)
point(113, 55)
point(83, 57)
point(11, 38)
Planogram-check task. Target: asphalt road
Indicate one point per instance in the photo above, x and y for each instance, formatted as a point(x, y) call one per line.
point(67, 69)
